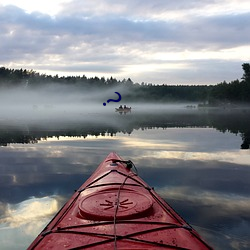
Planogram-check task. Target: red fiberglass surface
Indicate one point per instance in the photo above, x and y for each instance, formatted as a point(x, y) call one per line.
point(116, 209)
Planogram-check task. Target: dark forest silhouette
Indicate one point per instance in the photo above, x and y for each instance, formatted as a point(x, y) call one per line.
point(236, 91)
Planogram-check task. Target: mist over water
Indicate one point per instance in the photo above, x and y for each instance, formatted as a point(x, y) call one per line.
point(61, 102)
point(30, 114)
point(50, 102)
point(53, 106)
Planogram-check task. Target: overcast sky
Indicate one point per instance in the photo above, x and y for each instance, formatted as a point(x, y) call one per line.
point(154, 41)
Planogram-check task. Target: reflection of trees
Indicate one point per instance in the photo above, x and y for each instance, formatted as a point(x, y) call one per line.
point(236, 122)
point(222, 120)
point(246, 141)
point(8, 137)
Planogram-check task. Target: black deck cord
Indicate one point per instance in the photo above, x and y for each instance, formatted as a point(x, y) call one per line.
point(128, 237)
point(129, 165)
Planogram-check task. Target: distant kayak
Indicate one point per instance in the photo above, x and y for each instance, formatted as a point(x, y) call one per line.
point(116, 209)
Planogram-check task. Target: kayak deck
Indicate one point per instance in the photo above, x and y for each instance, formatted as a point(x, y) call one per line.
point(116, 209)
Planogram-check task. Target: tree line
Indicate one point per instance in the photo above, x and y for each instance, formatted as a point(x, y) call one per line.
point(236, 91)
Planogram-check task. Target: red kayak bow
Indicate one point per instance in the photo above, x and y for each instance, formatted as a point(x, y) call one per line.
point(116, 209)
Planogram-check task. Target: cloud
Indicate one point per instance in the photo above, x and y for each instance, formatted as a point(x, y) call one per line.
point(116, 30)
point(113, 38)
point(141, 10)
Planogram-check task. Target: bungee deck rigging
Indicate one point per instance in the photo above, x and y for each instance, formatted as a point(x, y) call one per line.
point(116, 209)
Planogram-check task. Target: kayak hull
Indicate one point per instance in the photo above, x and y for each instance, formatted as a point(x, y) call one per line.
point(116, 209)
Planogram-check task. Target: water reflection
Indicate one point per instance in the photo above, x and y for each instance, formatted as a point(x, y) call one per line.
point(196, 167)
point(29, 211)
point(99, 124)
point(21, 221)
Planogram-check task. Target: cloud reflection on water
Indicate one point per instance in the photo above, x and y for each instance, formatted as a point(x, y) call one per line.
point(207, 184)
point(21, 222)
point(29, 211)
point(235, 156)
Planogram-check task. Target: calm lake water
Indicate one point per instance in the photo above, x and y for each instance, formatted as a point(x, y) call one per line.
point(197, 160)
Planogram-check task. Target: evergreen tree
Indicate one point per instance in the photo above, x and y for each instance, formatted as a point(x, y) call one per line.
point(246, 69)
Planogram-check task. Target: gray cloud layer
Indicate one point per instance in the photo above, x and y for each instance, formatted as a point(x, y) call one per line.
point(111, 38)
